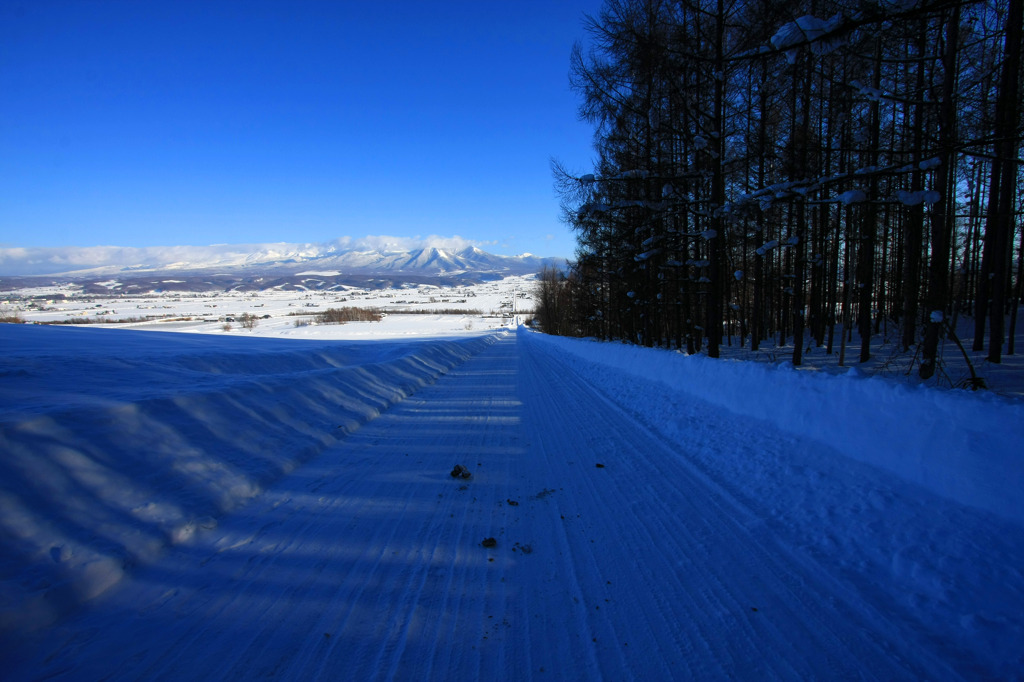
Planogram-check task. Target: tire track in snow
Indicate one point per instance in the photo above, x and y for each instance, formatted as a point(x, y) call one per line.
point(367, 564)
point(566, 425)
point(364, 564)
point(750, 608)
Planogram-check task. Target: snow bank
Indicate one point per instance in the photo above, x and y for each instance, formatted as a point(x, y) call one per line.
point(963, 446)
point(115, 444)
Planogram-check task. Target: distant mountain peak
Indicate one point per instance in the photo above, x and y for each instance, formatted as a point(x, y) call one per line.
point(362, 257)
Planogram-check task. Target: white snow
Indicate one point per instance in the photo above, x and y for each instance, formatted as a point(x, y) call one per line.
point(230, 506)
point(787, 36)
point(138, 435)
point(921, 196)
point(816, 29)
point(852, 196)
point(807, 29)
point(868, 92)
point(910, 198)
point(634, 174)
point(959, 445)
point(486, 306)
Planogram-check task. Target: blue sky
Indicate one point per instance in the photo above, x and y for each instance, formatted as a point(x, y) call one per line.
point(152, 123)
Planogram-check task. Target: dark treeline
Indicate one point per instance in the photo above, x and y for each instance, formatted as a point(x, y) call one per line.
point(766, 170)
point(343, 315)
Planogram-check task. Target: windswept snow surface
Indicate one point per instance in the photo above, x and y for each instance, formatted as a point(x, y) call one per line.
point(650, 520)
point(117, 443)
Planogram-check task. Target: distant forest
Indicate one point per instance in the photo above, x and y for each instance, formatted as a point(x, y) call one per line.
point(769, 172)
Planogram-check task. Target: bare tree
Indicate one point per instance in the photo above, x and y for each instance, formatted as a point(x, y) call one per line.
point(763, 169)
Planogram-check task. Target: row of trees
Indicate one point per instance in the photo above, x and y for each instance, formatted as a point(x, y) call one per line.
point(353, 314)
point(766, 172)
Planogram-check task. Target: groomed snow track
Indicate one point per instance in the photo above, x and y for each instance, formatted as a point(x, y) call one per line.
point(615, 558)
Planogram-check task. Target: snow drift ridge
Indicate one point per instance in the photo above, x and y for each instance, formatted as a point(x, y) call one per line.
point(135, 472)
point(961, 446)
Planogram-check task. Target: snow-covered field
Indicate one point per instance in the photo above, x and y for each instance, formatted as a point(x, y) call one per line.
point(233, 505)
point(422, 310)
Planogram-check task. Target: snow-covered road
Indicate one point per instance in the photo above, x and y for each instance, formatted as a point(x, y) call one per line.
point(640, 531)
point(617, 557)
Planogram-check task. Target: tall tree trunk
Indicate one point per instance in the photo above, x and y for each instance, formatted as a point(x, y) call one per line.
point(943, 212)
point(801, 129)
point(866, 260)
point(915, 221)
point(849, 281)
point(716, 244)
point(1001, 219)
point(1015, 303)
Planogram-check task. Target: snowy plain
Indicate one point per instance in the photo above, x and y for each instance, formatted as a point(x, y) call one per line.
point(227, 504)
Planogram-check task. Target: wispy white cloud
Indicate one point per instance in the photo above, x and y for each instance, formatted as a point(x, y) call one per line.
point(53, 260)
point(389, 243)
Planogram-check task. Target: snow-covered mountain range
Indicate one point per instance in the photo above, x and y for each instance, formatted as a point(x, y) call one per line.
point(252, 265)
